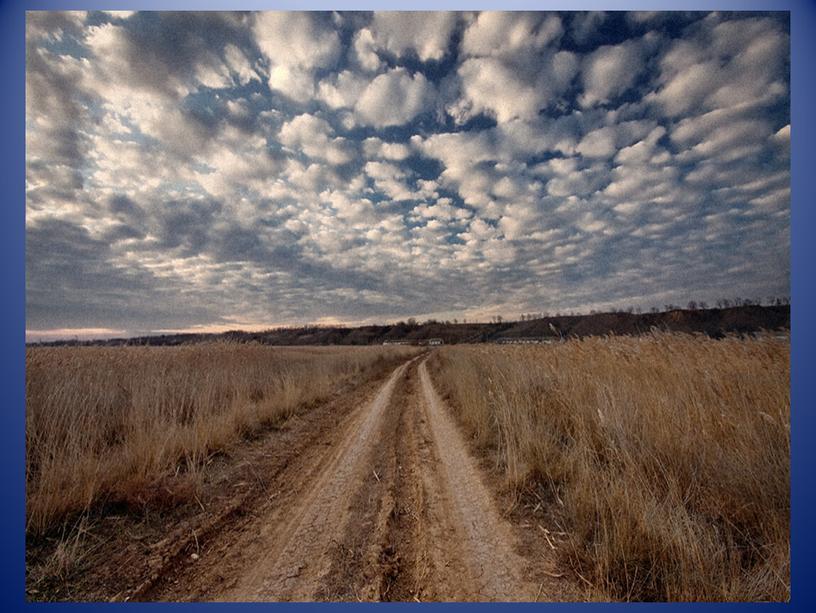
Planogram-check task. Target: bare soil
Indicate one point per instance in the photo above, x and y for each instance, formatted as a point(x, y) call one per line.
point(372, 496)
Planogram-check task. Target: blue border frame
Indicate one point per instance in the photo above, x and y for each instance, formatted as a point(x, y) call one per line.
point(12, 305)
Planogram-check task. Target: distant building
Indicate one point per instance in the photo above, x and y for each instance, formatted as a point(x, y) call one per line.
point(524, 340)
point(430, 341)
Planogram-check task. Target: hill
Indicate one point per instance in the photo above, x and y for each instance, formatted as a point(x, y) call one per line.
point(715, 323)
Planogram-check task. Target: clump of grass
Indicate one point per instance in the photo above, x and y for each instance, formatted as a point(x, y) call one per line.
point(670, 454)
point(115, 423)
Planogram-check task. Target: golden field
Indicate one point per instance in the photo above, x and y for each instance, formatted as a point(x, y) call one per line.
point(666, 458)
point(107, 424)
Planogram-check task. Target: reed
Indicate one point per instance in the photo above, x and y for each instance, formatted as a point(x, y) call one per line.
point(106, 423)
point(667, 456)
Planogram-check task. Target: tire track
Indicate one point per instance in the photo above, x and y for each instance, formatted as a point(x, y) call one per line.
point(496, 572)
point(299, 554)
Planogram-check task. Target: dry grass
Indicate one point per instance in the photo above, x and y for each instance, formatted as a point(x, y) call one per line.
point(121, 424)
point(666, 456)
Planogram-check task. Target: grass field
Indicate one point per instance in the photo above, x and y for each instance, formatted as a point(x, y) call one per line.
point(111, 423)
point(666, 457)
point(662, 460)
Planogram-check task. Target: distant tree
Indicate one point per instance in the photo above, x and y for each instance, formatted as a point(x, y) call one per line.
point(412, 322)
point(654, 309)
point(455, 321)
point(498, 319)
point(692, 305)
point(702, 305)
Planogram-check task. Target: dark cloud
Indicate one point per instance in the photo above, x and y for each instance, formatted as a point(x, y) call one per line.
point(74, 280)
point(164, 49)
point(187, 224)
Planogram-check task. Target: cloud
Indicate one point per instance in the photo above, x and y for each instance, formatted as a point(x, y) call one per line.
point(492, 86)
point(295, 44)
point(724, 64)
point(53, 25)
point(390, 179)
point(245, 163)
point(424, 33)
point(239, 64)
point(55, 143)
point(377, 148)
point(64, 263)
point(502, 34)
point(605, 142)
point(721, 134)
point(646, 150)
point(168, 53)
point(365, 50)
point(313, 136)
point(584, 25)
point(609, 71)
point(342, 91)
point(394, 98)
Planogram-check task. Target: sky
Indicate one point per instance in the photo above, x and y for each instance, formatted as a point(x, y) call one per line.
point(213, 171)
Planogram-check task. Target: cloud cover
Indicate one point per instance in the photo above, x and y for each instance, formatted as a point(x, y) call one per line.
point(242, 169)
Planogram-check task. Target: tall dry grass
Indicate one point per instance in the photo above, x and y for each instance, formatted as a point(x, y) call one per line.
point(667, 456)
point(108, 422)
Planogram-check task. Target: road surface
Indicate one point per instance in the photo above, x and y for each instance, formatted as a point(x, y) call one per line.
point(384, 502)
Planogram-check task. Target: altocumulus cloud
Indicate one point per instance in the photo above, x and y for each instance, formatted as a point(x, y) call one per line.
point(191, 170)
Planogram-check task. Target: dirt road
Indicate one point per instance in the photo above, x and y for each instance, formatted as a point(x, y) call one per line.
point(382, 503)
